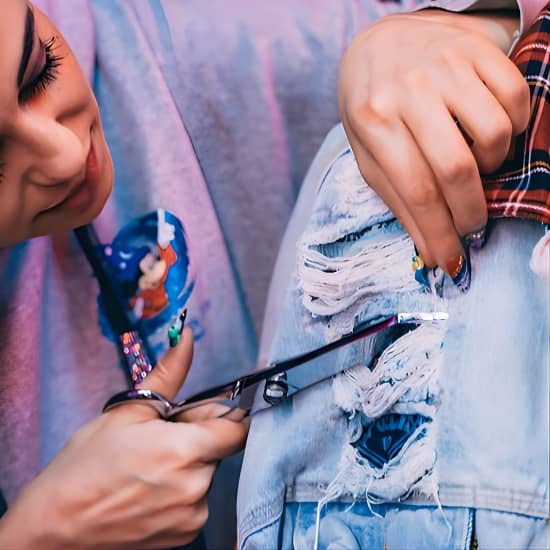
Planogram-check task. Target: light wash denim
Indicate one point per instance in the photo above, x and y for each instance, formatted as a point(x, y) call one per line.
point(431, 434)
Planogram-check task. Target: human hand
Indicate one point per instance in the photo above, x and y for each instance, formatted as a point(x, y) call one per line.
point(429, 100)
point(128, 479)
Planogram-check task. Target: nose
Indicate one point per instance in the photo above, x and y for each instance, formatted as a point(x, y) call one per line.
point(56, 153)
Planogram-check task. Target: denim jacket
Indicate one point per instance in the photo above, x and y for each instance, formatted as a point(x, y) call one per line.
point(449, 420)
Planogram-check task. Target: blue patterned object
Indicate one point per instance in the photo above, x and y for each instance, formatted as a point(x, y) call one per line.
point(149, 257)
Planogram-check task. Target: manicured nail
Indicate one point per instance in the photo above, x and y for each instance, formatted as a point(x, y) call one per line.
point(458, 267)
point(174, 332)
point(420, 270)
point(476, 239)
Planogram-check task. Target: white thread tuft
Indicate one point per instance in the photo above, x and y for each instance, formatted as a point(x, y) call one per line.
point(406, 366)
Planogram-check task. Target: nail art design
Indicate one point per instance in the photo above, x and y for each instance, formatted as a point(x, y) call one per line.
point(459, 270)
point(476, 239)
point(420, 270)
point(174, 332)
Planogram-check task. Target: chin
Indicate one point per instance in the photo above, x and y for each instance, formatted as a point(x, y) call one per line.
point(99, 203)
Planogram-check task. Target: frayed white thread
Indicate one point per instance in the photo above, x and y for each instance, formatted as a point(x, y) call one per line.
point(369, 503)
point(320, 505)
point(317, 526)
point(358, 478)
point(394, 480)
point(340, 279)
point(349, 205)
point(404, 370)
point(333, 494)
point(405, 366)
point(352, 251)
point(332, 285)
point(435, 493)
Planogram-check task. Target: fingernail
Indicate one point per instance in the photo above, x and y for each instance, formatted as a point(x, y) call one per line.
point(458, 267)
point(476, 239)
point(420, 270)
point(174, 332)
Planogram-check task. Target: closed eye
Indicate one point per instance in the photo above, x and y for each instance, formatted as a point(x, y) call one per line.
point(46, 75)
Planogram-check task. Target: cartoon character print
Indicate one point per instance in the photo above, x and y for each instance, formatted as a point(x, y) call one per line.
point(152, 297)
point(149, 258)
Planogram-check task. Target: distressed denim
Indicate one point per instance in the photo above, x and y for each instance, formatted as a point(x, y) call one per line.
point(431, 434)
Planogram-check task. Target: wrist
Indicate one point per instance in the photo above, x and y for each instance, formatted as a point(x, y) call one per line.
point(501, 28)
point(26, 525)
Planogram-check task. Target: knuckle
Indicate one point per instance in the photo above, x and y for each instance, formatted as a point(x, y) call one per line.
point(171, 451)
point(450, 56)
point(498, 133)
point(195, 488)
point(494, 145)
point(418, 79)
point(459, 169)
point(519, 93)
point(377, 109)
point(451, 63)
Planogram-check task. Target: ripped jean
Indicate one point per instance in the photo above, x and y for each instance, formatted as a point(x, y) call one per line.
point(431, 436)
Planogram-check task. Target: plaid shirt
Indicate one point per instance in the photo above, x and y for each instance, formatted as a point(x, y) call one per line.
point(521, 186)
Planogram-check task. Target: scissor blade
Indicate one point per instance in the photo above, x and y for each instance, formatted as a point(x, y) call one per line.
point(363, 345)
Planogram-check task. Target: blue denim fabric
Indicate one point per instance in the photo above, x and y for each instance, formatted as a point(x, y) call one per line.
point(430, 434)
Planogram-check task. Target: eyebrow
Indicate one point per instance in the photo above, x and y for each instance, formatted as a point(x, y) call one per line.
point(28, 43)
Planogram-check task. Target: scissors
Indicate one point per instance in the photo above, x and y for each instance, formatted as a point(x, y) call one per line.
point(236, 394)
point(240, 393)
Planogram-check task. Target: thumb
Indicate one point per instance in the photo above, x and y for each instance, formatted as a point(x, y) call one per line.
point(170, 372)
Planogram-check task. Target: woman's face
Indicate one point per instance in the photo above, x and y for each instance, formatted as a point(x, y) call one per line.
point(55, 169)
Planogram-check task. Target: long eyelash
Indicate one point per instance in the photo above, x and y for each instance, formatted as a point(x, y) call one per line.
point(48, 74)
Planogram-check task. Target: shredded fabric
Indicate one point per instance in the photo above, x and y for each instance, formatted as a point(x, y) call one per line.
point(405, 367)
point(391, 422)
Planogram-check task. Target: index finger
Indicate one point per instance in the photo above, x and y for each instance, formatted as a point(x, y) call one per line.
point(213, 439)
